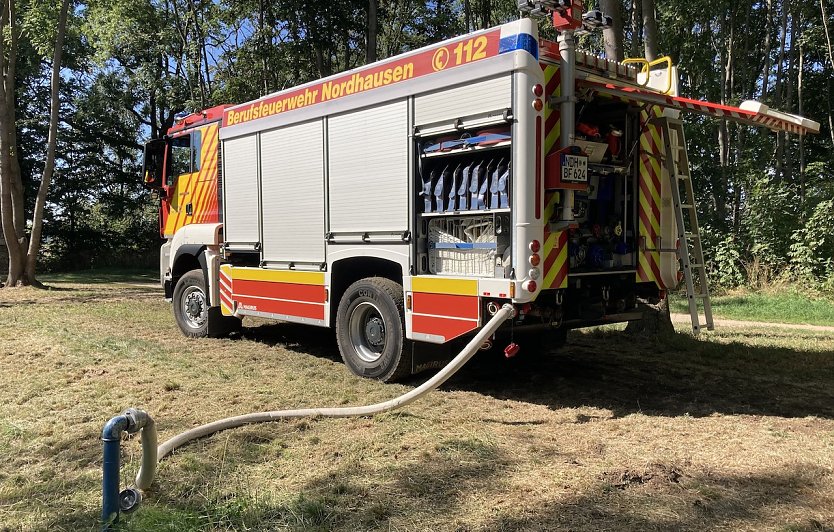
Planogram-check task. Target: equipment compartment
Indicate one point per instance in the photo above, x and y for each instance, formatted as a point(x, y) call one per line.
point(465, 171)
point(469, 245)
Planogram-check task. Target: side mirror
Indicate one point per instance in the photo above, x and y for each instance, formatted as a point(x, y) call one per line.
point(153, 165)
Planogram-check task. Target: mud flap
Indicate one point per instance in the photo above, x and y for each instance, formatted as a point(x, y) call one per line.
point(425, 356)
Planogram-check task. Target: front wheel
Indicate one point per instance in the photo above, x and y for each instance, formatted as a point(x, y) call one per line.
point(370, 330)
point(192, 312)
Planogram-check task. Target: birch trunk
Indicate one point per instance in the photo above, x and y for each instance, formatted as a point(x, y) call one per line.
point(614, 35)
point(650, 29)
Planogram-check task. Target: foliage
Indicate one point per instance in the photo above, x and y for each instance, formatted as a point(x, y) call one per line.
point(131, 66)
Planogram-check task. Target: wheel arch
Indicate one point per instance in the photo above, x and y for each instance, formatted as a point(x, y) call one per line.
point(187, 257)
point(347, 271)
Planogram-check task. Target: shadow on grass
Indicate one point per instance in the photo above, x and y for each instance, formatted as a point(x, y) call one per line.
point(297, 338)
point(679, 375)
point(436, 492)
point(676, 502)
point(102, 276)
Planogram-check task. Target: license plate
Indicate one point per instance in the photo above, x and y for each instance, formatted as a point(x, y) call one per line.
point(574, 168)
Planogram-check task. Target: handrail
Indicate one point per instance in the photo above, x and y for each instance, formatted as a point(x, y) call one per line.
point(648, 66)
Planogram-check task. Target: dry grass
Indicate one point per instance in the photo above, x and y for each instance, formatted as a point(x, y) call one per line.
point(732, 431)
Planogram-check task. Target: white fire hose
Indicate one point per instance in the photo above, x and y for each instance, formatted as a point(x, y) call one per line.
point(151, 454)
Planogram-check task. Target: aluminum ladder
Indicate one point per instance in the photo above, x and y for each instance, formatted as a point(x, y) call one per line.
point(689, 250)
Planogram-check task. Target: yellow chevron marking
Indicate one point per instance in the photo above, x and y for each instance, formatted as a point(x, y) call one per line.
point(645, 207)
point(550, 243)
point(277, 276)
point(558, 266)
point(646, 177)
point(550, 208)
point(553, 136)
point(437, 285)
point(645, 268)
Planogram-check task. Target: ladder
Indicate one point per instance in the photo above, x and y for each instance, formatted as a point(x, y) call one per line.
point(689, 249)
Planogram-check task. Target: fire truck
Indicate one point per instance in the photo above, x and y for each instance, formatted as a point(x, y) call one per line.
point(403, 202)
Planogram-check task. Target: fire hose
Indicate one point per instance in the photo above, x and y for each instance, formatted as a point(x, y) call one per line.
point(134, 420)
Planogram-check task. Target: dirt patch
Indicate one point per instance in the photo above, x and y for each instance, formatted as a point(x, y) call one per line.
point(721, 322)
point(653, 476)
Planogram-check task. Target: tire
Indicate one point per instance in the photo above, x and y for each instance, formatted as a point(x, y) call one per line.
point(370, 330)
point(192, 313)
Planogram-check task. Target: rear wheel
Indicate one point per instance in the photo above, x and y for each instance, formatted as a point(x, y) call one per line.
point(370, 330)
point(192, 312)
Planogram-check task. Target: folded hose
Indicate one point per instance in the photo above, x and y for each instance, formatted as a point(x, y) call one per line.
point(147, 470)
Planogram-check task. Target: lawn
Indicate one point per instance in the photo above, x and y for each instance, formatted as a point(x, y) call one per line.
point(780, 306)
point(732, 430)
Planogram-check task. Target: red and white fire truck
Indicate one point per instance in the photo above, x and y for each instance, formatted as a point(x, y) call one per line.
point(405, 201)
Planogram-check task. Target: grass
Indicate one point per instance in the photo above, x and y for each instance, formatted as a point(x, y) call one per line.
point(779, 306)
point(733, 430)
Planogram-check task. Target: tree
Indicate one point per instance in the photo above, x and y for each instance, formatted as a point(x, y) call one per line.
point(23, 252)
point(614, 35)
point(650, 29)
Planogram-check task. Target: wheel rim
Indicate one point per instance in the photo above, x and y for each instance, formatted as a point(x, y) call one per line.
point(194, 308)
point(367, 332)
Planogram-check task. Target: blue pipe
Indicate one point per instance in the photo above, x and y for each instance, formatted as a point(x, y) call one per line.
point(111, 437)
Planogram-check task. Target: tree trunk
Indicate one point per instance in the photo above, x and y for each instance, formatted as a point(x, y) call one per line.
point(799, 76)
point(766, 50)
point(796, 37)
point(49, 163)
point(8, 151)
point(370, 41)
point(831, 61)
point(650, 29)
point(780, 91)
point(614, 35)
point(636, 28)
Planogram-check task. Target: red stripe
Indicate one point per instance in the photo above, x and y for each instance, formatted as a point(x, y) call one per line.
point(287, 308)
point(656, 271)
point(645, 190)
point(560, 277)
point(226, 300)
point(538, 163)
point(296, 292)
point(644, 217)
point(550, 259)
point(642, 273)
point(446, 305)
point(444, 327)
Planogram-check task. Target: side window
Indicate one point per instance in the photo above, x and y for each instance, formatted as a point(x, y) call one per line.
point(180, 157)
point(196, 143)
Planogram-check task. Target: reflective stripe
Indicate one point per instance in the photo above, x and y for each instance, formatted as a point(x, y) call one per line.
point(284, 276)
point(440, 285)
